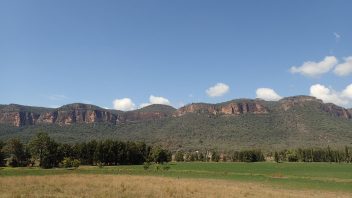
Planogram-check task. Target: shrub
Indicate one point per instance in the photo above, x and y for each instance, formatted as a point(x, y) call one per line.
point(146, 165)
point(70, 163)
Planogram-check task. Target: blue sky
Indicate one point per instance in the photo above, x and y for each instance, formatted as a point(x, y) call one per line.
point(171, 52)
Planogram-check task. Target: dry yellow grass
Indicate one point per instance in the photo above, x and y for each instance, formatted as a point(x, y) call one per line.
point(141, 186)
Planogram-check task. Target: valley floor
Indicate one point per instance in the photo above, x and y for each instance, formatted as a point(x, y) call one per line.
point(194, 179)
point(73, 185)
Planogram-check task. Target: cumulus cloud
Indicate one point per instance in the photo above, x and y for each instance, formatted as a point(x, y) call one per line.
point(345, 68)
point(314, 69)
point(155, 100)
point(267, 94)
point(218, 90)
point(329, 95)
point(124, 104)
point(158, 100)
point(347, 92)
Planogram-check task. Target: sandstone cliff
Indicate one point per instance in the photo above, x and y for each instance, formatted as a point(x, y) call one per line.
point(18, 115)
point(235, 107)
point(332, 109)
point(77, 113)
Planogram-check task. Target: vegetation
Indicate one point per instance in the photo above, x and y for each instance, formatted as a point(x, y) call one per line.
point(314, 176)
point(314, 155)
point(299, 126)
point(128, 186)
point(48, 153)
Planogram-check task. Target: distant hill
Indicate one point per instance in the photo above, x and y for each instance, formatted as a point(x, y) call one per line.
point(299, 121)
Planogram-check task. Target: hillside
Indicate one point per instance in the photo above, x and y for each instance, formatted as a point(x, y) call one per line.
point(299, 121)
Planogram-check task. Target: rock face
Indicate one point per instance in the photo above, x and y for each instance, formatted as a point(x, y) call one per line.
point(77, 113)
point(332, 109)
point(289, 102)
point(18, 115)
point(229, 108)
point(337, 111)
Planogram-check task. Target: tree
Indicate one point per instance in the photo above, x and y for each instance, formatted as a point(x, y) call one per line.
point(70, 163)
point(179, 156)
point(215, 157)
point(45, 150)
point(276, 157)
point(16, 153)
point(2, 154)
point(159, 155)
point(347, 155)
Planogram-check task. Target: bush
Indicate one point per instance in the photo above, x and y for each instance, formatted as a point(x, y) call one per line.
point(100, 165)
point(70, 163)
point(179, 156)
point(146, 165)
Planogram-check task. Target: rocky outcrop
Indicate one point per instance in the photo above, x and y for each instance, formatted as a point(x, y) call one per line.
point(289, 102)
point(18, 115)
point(78, 113)
point(228, 108)
point(337, 111)
point(332, 109)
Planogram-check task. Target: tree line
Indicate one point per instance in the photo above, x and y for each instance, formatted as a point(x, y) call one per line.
point(214, 156)
point(314, 155)
point(45, 152)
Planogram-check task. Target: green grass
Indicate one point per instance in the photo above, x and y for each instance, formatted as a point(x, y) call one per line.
point(319, 176)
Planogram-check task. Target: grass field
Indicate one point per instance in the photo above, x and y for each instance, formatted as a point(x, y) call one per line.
point(196, 179)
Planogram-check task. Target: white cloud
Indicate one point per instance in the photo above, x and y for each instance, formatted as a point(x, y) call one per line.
point(124, 104)
point(329, 95)
point(314, 69)
point(345, 68)
point(347, 92)
point(267, 94)
point(155, 100)
point(158, 100)
point(218, 90)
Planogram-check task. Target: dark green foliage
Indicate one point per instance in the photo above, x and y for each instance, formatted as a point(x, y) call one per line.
point(248, 156)
point(179, 156)
point(16, 153)
point(276, 157)
point(70, 163)
point(44, 149)
point(159, 155)
point(215, 157)
point(315, 155)
point(2, 154)
point(146, 165)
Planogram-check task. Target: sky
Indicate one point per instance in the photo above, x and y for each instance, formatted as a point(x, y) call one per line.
point(129, 54)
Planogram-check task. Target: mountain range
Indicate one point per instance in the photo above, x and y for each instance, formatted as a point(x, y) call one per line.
point(298, 121)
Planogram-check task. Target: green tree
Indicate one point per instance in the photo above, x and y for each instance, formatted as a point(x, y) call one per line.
point(179, 156)
point(2, 154)
point(276, 157)
point(44, 149)
point(159, 155)
point(16, 153)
